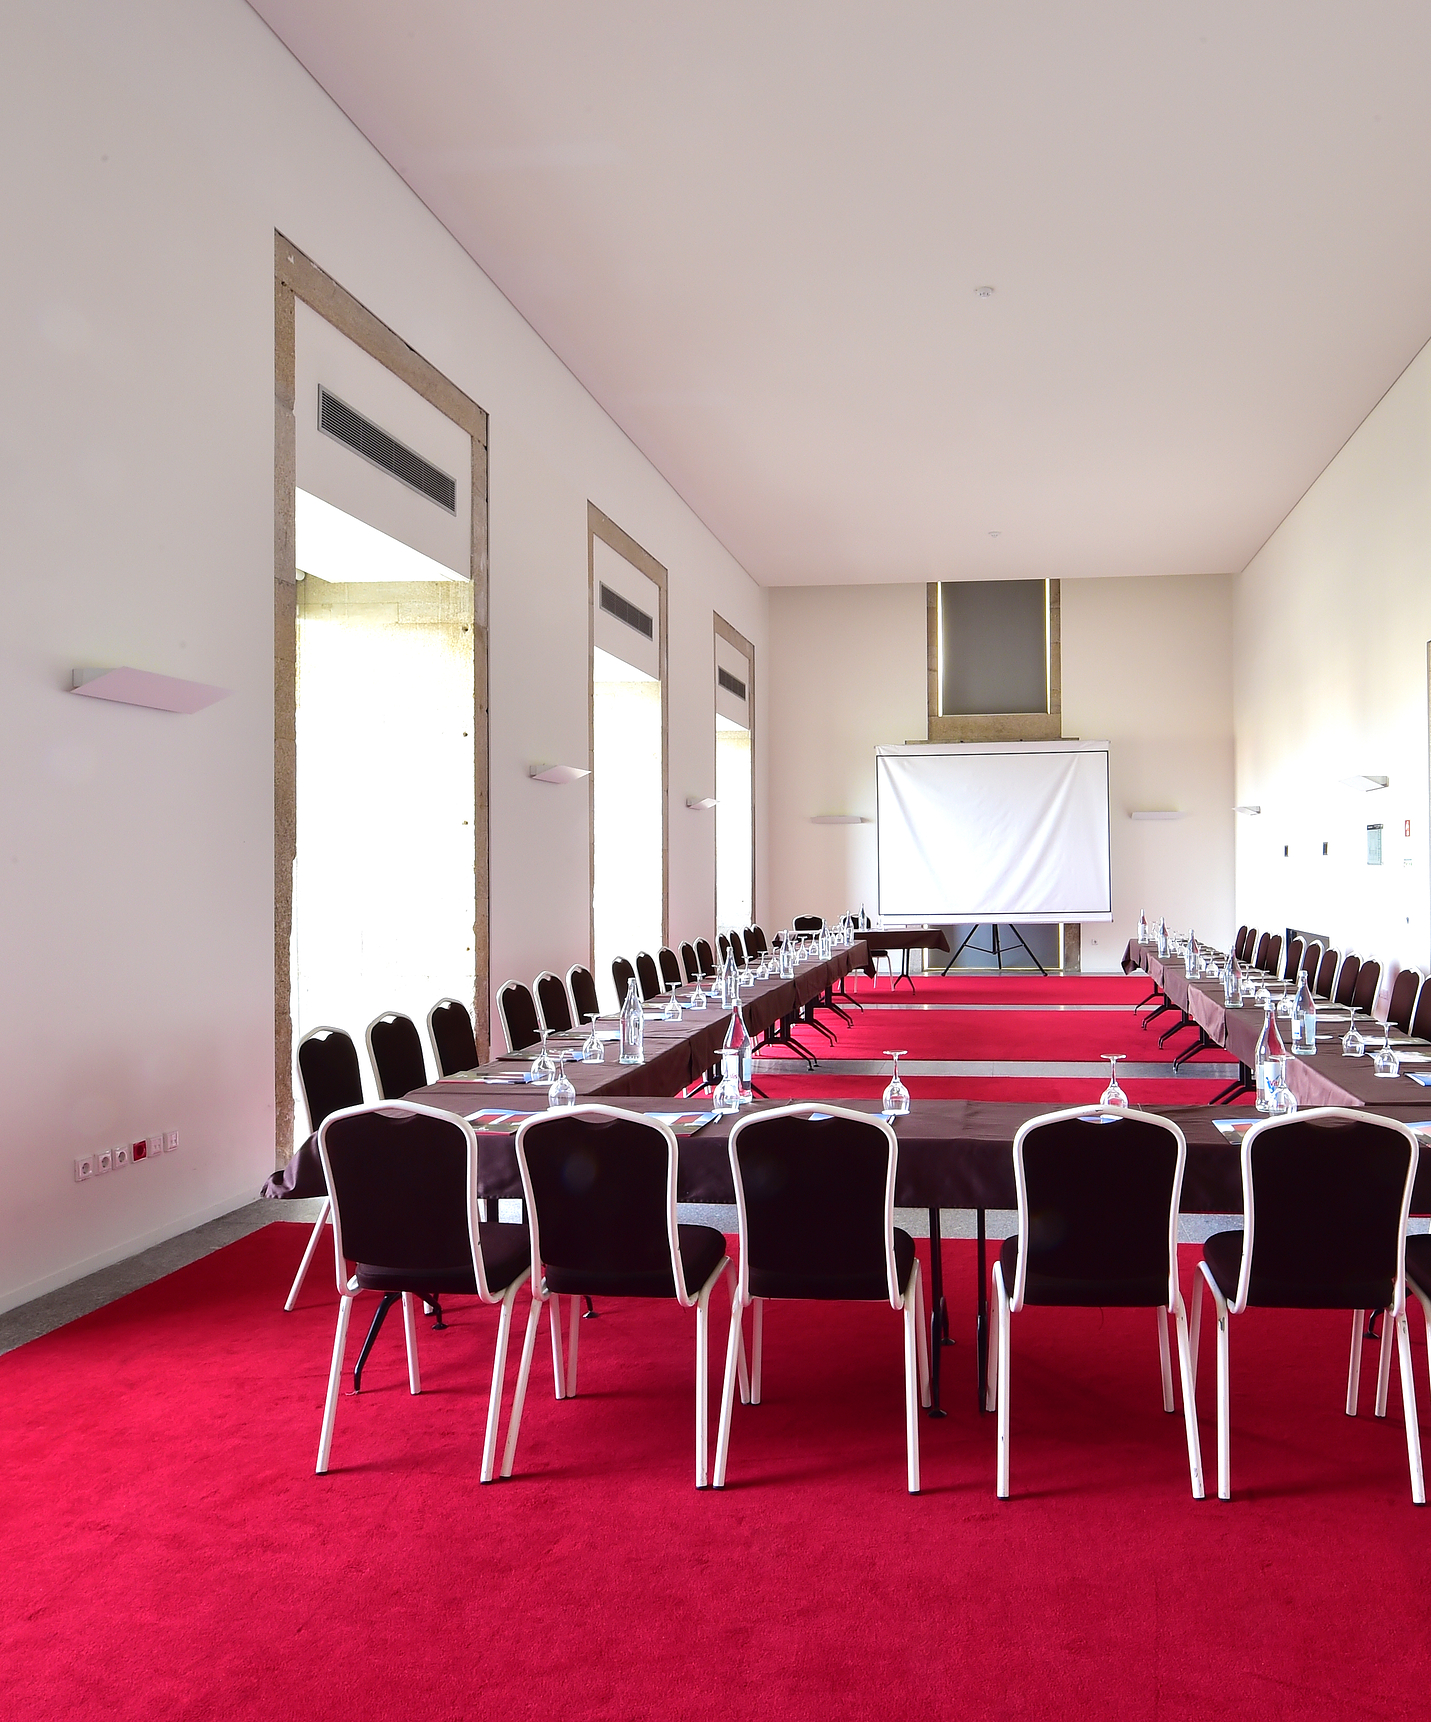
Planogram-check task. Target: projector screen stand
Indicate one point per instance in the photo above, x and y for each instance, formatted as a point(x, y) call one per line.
point(994, 949)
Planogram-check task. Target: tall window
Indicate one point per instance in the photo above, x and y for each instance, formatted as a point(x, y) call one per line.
point(735, 779)
point(628, 749)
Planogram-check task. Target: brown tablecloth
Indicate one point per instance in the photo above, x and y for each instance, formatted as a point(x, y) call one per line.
point(887, 939)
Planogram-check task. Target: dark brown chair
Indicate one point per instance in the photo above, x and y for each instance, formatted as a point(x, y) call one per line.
point(1368, 981)
point(552, 1002)
point(737, 947)
point(518, 1012)
point(706, 956)
point(648, 976)
point(1404, 991)
point(755, 942)
point(1274, 953)
point(1264, 953)
point(808, 924)
point(690, 961)
point(622, 975)
point(1325, 1196)
point(1249, 945)
point(1239, 944)
point(395, 1048)
point(1347, 978)
point(581, 984)
point(1311, 961)
point(1421, 1017)
point(1294, 960)
point(331, 1080)
point(1325, 978)
point(670, 966)
point(454, 1045)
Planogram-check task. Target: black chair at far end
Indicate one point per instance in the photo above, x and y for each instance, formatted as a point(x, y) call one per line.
point(690, 961)
point(331, 1080)
point(1325, 1196)
point(553, 1003)
point(1098, 1195)
point(454, 1045)
point(403, 1184)
point(622, 975)
point(707, 958)
point(395, 1050)
point(518, 1011)
point(670, 966)
point(815, 1205)
point(600, 1187)
point(648, 977)
point(581, 984)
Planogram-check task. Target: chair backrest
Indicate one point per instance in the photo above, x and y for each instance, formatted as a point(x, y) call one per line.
point(329, 1073)
point(622, 975)
point(1404, 991)
point(552, 1002)
point(581, 984)
point(737, 947)
point(600, 1186)
point(449, 1028)
point(670, 966)
point(814, 1193)
point(1311, 961)
point(1347, 978)
point(755, 944)
point(647, 975)
point(1274, 953)
point(1368, 980)
point(518, 1012)
point(1325, 977)
point(1325, 1195)
point(808, 924)
point(706, 956)
point(723, 946)
point(403, 1180)
point(690, 961)
point(1239, 944)
point(395, 1048)
point(1264, 948)
point(1249, 945)
point(1421, 1016)
point(1294, 960)
point(1098, 1194)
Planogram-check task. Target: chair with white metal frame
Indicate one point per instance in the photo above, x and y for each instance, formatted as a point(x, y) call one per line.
point(454, 1044)
point(518, 1011)
point(581, 985)
point(553, 1002)
point(1401, 1005)
point(600, 1187)
point(1098, 1193)
point(1325, 1198)
point(402, 1181)
point(814, 1192)
point(395, 1053)
point(331, 1080)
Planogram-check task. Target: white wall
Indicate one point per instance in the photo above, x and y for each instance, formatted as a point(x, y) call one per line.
point(1333, 616)
point(1147, 667)
point(156, 148)
point(846, 674)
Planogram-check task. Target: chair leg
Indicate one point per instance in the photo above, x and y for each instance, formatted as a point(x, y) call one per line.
point(313, 1237)
point(1383, 1366)
point(335, 1381)
point(1224, 1396)
point(1408, 1403)
point(558, 1367)
point(409, 1328)
point(1001, 1299)
point(703, 1314)
point(519, 1397)
point(1195, 1326)
point(1180, 1316)
point(923, 1331)
point(991, 1371)
point(743, 1374)
point(734, 1348)
point(757, 1348)
point(1165, 1359)
point(499, 1376)
point(1354, 1367)
point(574, 1330)
point(912, 1328)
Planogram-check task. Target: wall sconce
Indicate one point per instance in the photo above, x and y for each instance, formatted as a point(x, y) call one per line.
point(557, 773)
point(700, 803)
point(1156, 813)
point(1247, 807)
point(130, 687)
point(1365, 782)
point(839, 819)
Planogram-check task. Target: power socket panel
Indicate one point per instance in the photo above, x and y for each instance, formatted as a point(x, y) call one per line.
point(120, 1153)
point(171, 1141)
point(84, 1168)
point(154, 1145)
point(139, 1150)
point(104, 1162)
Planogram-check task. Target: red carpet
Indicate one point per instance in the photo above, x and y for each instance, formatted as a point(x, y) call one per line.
point(1009, 989)
point(1057, 1090)
point(1000, 1034)
point(170, 1554)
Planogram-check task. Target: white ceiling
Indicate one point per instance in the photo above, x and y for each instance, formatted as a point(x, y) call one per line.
point(754, 231)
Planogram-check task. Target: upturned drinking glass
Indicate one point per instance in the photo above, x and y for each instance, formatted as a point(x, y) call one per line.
point(672, 1012)
point(561, 1092)
point(1280, 1098)
point(1113, 1095)
point(543, 1065)
point(895, 1100)
point(1353, 1046)
point(1385, 1061)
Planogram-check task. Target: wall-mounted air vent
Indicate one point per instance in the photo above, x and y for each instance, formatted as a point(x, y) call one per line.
point(625, 611)
point(731, 684)
point(364, 438)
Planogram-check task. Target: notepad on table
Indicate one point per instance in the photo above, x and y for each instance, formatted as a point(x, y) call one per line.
point(492, 1122)
point(685, 1123)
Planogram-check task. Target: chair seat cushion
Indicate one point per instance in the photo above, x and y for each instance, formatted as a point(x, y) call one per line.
point(701, 1248)
point(1223, 1254)
point(834, 1284)
point(506, 1255)
point(1107, 1290)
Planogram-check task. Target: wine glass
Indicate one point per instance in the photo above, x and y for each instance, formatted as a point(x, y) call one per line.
point(593, 1048)
point(672, 1012)
point(1280, 1098)
point(895, 1100)
point(698, 997)
point(1386, 1062)
point(561, 1092)
point(1113, 1095)
point(1353, 1046)
point(543, 1065)
point(726, 1095)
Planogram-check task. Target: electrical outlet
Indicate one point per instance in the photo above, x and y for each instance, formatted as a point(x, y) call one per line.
point(104, 1161)
point(155, 1145)
point(139, 1150)
point(84, 1167)
point(171, 1141)
point(121, 1155)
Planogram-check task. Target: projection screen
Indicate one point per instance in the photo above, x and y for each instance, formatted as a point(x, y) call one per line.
point(994, 831)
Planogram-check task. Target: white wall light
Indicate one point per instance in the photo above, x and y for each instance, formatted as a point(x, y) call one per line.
point(130, 687)
point(1366, 782)
point(1156, 813)
point(700, 803)
point(839, 819)
point(557, 773)
point(1247, 807)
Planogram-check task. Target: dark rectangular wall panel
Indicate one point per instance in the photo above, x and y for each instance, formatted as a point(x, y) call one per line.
point(994, 646)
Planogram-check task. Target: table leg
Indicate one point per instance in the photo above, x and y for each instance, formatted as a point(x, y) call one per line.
point(982, 1324)
point(938, 1324)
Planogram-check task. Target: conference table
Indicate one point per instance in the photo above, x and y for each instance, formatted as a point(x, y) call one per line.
point(881, 941)
point(952, 1153)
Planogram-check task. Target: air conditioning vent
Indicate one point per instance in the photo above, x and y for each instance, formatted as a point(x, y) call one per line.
point(625, 611)
point(364, 438)
point(731, 684)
